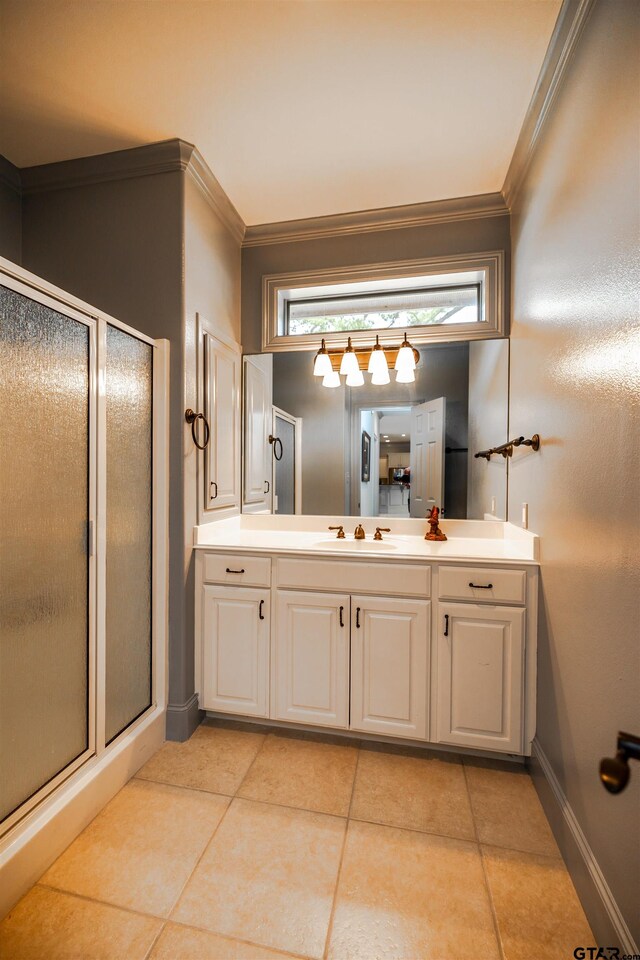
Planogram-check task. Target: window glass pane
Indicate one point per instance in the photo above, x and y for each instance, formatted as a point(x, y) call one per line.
point(385, 310)
point(128, 385)
point(44, 566)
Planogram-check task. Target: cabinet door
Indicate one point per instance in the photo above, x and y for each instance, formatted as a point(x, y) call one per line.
point(256, 487)
point(480, 676)
point(389, 666)
point(222, 454)
point(312, 658)
point(235, 654)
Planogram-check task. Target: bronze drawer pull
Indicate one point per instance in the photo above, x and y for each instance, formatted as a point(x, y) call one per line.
point(229, 570)
point(481, 586)
point(260, 613)
point(358, 617)
point(341, 616)
point(446, 624)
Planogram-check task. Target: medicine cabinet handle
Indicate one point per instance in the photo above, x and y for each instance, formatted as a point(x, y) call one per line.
point(213, 496)
point(260, 613)
point(229, 570)
point(342, 616)
point(481, 586)
point(446, 624)
point(193, 418)
point(358, 617)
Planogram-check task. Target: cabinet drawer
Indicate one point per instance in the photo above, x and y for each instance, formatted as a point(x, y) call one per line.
point(482, 584)
point(237, 569)
point(348, 576)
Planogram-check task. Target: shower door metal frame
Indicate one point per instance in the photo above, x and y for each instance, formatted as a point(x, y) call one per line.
point(97, 752)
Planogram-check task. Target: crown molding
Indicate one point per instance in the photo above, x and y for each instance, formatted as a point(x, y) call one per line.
point(370, 221)
point(10, 176)
point(167, 156)
point(566, 34)
point(201, 174)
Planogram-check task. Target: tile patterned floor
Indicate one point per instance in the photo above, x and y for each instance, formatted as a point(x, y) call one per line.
point(245, 845)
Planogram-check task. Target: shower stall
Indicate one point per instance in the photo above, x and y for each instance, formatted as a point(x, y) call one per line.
point(83, 533)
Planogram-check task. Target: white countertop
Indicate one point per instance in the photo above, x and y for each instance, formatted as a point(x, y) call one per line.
point(478, 540)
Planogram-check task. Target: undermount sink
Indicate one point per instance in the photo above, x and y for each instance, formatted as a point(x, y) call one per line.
point(350, 544)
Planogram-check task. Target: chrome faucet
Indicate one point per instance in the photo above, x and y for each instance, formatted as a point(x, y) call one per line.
point(340, 530)
point(359, 533)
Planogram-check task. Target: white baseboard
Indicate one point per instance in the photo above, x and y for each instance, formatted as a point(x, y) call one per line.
point(591, 864)
point(34, 843)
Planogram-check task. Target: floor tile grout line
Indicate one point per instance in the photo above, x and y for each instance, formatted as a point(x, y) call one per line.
point(184, 786)
point(197, 863)
point(102, 903)
point(250, 767)
point(236, 939)
point(492, 908)
point(494, 912)
point(334, 900)
point(155, 940)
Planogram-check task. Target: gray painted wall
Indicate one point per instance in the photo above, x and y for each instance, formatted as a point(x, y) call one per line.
point(574, 352)
point(10, 212)
point(488, 426)
point(408, 243)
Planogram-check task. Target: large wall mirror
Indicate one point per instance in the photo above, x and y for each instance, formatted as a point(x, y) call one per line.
point(396, 449)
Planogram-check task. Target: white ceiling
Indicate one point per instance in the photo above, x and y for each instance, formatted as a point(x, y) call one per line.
point(300, 107)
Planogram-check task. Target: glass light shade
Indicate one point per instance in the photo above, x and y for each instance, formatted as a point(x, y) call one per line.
point(331, 379)
point(405, 359)
point(380, 377)
point(322, 366)
point(355, 379)
point(349, 363)
point(405, 376)
point(378, 361)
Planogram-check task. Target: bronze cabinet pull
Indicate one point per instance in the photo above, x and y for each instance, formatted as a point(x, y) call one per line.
point(267, 486)
point(213, 496)
point(193, 418)
point(358, 617)
point(446, 624)
point(481, 586)
point(260, 608)
point(229, 570)
point(341, 616)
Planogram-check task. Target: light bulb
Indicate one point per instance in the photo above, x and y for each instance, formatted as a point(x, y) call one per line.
point(405, 376)
point(331, 379)
point(378, 361)
point(405, 359)
point(322, 364)
point(380, 377)
point(355, 379)
point(349, 363)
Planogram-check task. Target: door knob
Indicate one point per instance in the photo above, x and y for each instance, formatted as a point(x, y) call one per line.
point(614, 771)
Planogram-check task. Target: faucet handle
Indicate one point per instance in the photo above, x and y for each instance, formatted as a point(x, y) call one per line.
point(379, 531)
point(340, 530)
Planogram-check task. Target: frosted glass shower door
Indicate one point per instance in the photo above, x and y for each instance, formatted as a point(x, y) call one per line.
point(129, 431)
point(46, 597)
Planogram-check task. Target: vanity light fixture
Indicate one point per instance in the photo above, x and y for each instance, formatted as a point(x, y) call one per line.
point(322, 363)
point(380, 377)
point(349, 363)
point(405, 375)
point(331, 379)
point(405, 360)
point(378, 363)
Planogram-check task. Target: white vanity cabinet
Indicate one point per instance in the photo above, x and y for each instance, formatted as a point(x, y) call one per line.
point(311, 641)
point(235, 631)
point(390, 666)
point(441, 651)
point(480, 676)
